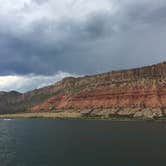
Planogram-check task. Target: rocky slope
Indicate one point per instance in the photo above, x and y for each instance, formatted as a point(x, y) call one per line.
point(139, 92)
point(9, 102)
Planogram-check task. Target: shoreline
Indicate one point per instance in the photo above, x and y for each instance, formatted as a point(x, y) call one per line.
point(71, 116)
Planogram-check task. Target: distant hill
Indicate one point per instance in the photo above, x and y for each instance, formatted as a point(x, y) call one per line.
point(134, 93)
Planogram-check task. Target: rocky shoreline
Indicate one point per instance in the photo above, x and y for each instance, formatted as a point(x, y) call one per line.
point(95, 114)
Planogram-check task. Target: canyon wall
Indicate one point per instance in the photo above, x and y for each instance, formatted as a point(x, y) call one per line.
point(134, 92)
point(117, 92)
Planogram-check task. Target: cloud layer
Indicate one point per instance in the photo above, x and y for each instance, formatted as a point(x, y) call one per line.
point(30, 82)
point(80, 36)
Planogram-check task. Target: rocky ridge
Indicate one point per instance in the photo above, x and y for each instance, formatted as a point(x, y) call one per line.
point(139, 92)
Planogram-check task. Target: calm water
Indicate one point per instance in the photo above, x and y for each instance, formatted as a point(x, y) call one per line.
point(81, 143)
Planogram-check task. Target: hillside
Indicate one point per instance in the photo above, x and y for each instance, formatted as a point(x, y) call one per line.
point(139, 92)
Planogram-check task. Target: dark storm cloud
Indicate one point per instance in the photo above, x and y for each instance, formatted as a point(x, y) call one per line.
point(133, 35)
point(41, 53)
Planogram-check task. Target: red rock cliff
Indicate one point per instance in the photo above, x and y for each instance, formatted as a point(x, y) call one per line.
point(122, 92)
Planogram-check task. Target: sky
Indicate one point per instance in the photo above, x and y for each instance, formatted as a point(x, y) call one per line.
point(43, 41)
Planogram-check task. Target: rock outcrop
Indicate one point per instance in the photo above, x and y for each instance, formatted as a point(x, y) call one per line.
point(139, 92)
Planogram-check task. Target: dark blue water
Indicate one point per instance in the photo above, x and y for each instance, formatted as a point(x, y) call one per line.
point(81, 143)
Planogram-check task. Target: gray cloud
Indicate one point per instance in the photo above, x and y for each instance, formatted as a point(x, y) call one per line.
point(128, 34)
point(40, 1)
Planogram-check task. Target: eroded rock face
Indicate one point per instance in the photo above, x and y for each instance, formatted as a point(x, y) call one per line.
point(126, 92)
point(135, 92)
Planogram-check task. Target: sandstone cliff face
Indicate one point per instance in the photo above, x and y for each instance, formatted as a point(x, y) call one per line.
point(119, 92)
point(135, 92)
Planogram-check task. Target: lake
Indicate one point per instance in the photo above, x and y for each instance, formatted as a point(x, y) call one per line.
point(41, 142)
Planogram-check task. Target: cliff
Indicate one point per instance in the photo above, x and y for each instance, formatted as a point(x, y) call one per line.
point(136, 92)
